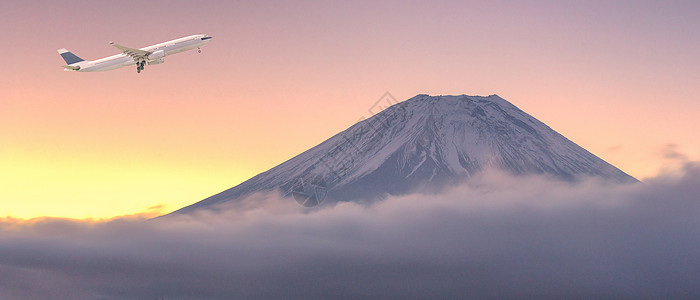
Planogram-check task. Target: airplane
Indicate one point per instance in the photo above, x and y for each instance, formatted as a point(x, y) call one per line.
point(152, 55)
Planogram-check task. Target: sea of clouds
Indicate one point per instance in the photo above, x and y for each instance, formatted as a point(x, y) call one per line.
point(496, 236)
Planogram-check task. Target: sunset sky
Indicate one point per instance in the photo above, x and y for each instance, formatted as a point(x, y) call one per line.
point(619, 78)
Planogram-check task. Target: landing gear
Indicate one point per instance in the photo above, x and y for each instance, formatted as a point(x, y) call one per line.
point(140, 66)
point(199, 50)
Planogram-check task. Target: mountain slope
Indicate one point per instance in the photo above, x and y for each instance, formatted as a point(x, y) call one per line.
point(424, 141)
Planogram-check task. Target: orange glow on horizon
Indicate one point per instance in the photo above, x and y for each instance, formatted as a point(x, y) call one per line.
point(280, 78)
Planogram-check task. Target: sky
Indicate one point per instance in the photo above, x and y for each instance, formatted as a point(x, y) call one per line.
point(620, 78)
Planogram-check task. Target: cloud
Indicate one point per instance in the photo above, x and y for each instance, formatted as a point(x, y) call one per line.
point(671, 152)
point(496, 236)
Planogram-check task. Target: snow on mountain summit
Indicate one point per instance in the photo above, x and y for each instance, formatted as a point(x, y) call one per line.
point(424, 141)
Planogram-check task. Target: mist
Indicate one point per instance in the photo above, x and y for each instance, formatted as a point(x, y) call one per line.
point(496, 236)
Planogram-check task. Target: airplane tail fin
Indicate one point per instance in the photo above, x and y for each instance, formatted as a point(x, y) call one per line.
point(69, 57)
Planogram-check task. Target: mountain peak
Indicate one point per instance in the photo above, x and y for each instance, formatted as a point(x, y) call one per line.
point(424, 141)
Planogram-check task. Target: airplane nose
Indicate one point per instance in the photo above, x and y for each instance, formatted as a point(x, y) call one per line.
point(206, 38)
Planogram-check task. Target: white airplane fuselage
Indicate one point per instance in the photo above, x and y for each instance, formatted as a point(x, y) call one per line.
point(156, 57)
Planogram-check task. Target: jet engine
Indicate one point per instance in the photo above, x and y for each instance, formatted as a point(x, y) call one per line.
point(156, 57)
point(156, 61)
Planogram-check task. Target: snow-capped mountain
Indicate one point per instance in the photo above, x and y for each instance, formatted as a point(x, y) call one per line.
point(426, 141)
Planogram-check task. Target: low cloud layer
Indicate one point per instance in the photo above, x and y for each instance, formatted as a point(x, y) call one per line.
point(497, 236)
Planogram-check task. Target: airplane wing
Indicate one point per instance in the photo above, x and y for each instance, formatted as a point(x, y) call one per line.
point(135, 54)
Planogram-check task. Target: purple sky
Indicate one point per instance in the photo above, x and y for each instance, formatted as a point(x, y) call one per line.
point(620, 78)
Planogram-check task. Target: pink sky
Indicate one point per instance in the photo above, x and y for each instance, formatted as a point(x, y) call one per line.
point(620, 79)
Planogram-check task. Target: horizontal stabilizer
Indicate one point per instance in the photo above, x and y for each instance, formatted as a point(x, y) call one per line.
point(72, 68)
